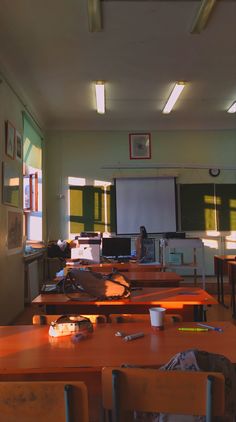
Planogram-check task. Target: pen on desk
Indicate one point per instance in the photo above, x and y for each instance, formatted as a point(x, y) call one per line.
point(133, 336)
point(192, 329)
point(210, 327)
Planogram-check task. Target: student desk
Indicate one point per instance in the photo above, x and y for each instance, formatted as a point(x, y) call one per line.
point(153, 278)
point(150, 278)
point(107, 267)
point(28, 353)
point(189, 302)
point(221, 268)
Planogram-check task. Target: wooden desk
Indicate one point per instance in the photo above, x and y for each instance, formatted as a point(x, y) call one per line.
point(28, 353)
point(119, 266)
point(153, 278)
point(187, 301)
point(221, 268)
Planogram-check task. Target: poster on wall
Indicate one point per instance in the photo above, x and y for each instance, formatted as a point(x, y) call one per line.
point(14, 231)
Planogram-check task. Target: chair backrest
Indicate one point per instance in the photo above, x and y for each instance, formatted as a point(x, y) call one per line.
point(46, 401)
point(149, 390)
point(47, 319)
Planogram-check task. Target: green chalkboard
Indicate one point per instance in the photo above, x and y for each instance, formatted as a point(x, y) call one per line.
point(197, 207)
point(226, 206)
point(206, 206)
point(87, 208)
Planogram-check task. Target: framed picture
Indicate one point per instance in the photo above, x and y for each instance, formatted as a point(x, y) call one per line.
point(10, 139)
point(19, 146)
point(14, 231)
point(140, 146)
point(10, 185)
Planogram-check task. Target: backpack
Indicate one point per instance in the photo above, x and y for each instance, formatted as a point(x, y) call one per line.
point(99, 286)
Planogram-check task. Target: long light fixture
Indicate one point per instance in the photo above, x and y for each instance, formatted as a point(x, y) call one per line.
point(100, 96)
point(232, 108)
point(94, 15)
point(178, 88)
point(203, 15)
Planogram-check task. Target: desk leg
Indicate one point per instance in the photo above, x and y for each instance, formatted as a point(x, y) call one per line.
point(221, 274)
point(217, 266)
point(232, 277)
point(199, 313)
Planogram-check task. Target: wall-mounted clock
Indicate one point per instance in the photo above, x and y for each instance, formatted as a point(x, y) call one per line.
point(214, 172)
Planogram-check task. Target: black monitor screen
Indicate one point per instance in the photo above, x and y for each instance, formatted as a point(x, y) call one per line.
point(116, 246)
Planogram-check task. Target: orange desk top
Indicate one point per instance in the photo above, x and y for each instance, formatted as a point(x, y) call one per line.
point(172, 296)
point(29, 349)
point(120, 266)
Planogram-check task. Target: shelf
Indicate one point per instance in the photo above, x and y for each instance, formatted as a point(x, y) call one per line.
point(166, 245)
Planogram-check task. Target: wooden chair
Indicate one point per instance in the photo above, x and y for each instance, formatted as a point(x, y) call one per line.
point(120, 318)
point(46, 401)
point(148, 390)
point(47, 319)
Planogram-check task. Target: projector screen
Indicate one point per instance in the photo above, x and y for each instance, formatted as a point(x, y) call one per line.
point(148, 202)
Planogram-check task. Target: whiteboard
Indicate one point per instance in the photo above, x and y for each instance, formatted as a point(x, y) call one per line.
point(149, 202)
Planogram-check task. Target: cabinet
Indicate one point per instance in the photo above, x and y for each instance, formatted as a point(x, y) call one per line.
point(195, 245)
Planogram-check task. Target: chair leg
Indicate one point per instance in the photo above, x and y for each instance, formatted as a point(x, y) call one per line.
point(115, 395)
point(67, 398)
point(209, 396)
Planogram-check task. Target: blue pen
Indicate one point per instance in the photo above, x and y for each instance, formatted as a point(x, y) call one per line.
point(210, 327)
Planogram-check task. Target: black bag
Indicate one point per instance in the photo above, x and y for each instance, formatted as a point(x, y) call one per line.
point(100, 286)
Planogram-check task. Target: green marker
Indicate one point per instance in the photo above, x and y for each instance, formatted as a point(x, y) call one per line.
point(193, 329)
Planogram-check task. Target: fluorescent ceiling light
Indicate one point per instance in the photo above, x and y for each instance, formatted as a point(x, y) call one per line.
point(203, 15)
point(100, 97)
point(94, 15)
point(178, 88)
point(232, 108)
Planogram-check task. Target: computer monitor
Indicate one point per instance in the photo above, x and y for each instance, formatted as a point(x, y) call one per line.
point(116, 247)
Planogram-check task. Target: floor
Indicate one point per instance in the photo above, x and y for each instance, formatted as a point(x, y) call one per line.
point(214, 313)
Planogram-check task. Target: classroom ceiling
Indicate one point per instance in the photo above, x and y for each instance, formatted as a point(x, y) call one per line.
point(50, 57)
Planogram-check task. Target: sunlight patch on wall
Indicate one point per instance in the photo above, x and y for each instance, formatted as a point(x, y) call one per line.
point(209, 215)
point(81, 181)
point(218, 200)
point(230, 241)
point(213, 233)
point(209, 199)
point(232, 214)
point(211, 243)
point(76, 181)
point(76, 203)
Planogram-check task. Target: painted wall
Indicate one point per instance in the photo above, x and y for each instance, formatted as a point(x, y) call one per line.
point(11, 265)
point(84, 154)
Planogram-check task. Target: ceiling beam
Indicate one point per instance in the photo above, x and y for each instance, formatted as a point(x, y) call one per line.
point(94, 15)
point(203, 15)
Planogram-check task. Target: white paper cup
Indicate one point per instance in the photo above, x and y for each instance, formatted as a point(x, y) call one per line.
point(157, 316)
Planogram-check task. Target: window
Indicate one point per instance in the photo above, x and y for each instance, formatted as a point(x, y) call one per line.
point(32, 180)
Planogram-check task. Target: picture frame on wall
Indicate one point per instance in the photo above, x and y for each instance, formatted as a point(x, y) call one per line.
point(10, 139)
point(140, 146)
point(18, 146)
point(10, 184)
point(14, 231)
